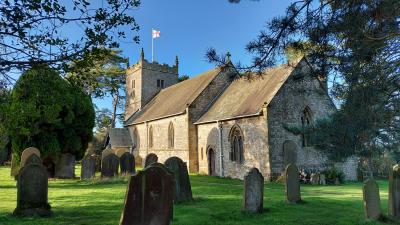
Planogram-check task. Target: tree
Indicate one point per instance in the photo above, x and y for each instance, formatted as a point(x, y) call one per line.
point(101, 73)
point(49, 113)
point(38, 31)
point(103, 120)
point(356, 46)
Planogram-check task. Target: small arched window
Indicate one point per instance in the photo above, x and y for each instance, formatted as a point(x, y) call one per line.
point(151, 137)
point(236, 140)
point(171, 136)
point(306, 120)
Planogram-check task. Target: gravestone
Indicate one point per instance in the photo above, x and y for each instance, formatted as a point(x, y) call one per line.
point(149, 198)
point(150, 158)
point(183, 189)
point(394, 193)
point(314, 178)
point(97, 162)
point(27, 153)
point(372, 202)
point(120, 152)
point(322, 179)
point(127, 163)
point(109, 165)
point(292, 184)
point(253, 191)
point(32, 189)
point(88, 169)
point(32, 159)
point(65, 166)
point(289, 152)
point(106, 152)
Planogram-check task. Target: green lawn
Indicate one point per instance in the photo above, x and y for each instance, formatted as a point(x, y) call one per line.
point(217, 201)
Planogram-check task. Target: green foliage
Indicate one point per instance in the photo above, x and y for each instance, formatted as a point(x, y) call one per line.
point(183, 78)
point(332, 174)
point(49, 113)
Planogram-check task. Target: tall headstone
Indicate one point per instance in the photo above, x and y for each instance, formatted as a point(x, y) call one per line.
point(253, 191)
point(149, 198)
point(289, 152)
point(292, 184)
point(183, 189)
point(110, 165)
point(88, 168)
point(372, 202)
point(97, 162)
point(127, 163)
point(65, 166)
point(394, 193)
point(150, 158)
point(32, 189)
point(28, 152)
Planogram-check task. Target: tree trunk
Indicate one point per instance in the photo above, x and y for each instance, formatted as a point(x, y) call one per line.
point(114, 113)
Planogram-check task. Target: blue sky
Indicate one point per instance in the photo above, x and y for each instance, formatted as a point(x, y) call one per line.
point(188, 28)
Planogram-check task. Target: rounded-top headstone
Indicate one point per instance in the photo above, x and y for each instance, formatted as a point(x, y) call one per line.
point(88, 169)
point(253, 191)
point(183, 189)
point(292, 184)
point(289, 152)
point(394, 193)
point(372, 202)
point(150, 158)
point(32, 191)
point(127, 163)
point(109, 165)
point(27, 153)
point(106, 152)
point(120, 152)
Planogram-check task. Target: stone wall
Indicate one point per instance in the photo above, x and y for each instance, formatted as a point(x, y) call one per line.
point(255, 146)
point(160, 138)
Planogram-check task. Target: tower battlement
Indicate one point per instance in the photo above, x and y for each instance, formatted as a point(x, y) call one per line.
point(155, 66)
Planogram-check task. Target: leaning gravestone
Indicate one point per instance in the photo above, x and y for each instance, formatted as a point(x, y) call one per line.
point(150, 158)
point(127, 163)
point(28, 152)
point(109, 165)
point(88, 169)
point(394, 193)
point(372, 202)
point(183, 189)
point(65, 166)
point(32, 186)
point(253, 191)
point(292, 184)
point(149, 198)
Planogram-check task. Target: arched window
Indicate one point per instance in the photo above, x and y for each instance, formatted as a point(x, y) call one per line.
point(236, 140)
point(171, 136)
point(306, 120)
point(151, 137)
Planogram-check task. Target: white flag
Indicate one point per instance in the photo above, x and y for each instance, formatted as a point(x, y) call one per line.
point(155, 33)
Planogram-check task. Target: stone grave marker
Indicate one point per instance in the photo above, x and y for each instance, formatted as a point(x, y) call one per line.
point(127, 163)
point(110, 165)
point(88, 168)
point(65, 166)
point(149, 197)
point(314, 179)
point(183, 189)
point(292, 184)
point(372, 202)
point(27, 153)
point(394, 193)
point(253, 191)
point(150, 158)
point(32, 189)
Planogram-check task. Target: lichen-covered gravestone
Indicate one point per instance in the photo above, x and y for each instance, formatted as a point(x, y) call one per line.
point(292, 184)
point(88, 169)
point(27, 153)
point(127, 163)
point(110, 165)
point(372, 202)
point(32, 187)
point(150, 158)
point(394, 193)
point(253, 191)
point(149, 197)
point(65, 166)
point(183, 189)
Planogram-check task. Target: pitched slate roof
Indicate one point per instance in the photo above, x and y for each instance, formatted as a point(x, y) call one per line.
point(246, 97)
point(174, 99)
point(119, 137)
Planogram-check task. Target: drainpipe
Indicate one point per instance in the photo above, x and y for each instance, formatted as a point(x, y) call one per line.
point(221, 150)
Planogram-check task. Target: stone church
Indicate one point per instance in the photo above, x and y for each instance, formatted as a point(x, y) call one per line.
point(222, 124)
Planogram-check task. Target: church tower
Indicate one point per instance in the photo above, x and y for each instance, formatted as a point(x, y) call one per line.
point(144, 80)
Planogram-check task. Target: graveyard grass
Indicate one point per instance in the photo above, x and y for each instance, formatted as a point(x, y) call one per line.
point(217, 201)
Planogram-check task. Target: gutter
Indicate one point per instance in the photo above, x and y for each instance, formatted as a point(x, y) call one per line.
point(230, 118)
point(158, 118)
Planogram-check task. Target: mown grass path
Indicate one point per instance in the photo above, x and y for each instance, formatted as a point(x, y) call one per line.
point(217, 201)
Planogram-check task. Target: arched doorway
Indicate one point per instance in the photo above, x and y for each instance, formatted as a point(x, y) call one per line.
point(211, 162)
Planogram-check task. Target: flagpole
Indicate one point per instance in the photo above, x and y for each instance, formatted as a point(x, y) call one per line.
point(152, 46)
